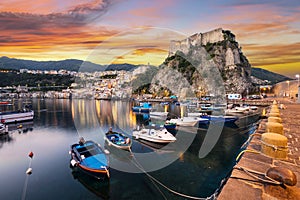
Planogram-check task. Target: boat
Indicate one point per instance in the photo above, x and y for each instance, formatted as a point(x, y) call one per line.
point(188, 121)
point(143, 107)
point(90, 158)
point(25, 114)
point(220, 118)
point(154, 134)
point(169, 125)
point(158, 114)
point(118, 140)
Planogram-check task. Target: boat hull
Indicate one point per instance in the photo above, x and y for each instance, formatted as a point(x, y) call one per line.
point(13, 117)
point(156, 136)
point(122, 142)
point(91, 159)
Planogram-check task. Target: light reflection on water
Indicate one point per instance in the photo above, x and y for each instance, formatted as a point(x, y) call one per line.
point(58, 123)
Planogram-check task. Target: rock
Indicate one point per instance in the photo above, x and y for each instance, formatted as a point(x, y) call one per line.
point(282, 175)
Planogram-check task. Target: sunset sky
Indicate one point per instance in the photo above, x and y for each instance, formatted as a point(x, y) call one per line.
point(138, 32)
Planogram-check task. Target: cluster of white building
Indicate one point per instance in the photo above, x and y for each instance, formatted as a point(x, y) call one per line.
point(88, 85)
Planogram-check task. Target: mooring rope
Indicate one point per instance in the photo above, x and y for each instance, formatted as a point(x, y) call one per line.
point(252, 172)
point(26, 182)
point(138, 165)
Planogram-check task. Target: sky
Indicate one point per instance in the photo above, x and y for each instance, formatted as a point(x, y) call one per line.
point(139, 32)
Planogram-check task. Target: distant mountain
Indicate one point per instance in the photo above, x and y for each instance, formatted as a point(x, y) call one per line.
point(263, 74)
point(69, 64)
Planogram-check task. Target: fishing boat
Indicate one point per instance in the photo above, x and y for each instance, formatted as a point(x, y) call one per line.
point(143, 107)
point(25, 114)
point(188, 121)
point(154, 134)
point(118, 140)
point(90, 158)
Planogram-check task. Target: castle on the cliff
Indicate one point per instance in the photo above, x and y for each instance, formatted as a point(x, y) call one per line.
point(198, 39)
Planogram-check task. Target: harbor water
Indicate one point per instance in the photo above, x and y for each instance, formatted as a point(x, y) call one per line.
point(58, 123)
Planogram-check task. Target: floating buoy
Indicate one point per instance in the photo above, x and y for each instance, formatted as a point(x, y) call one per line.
point(29, 171)
point(30, 154)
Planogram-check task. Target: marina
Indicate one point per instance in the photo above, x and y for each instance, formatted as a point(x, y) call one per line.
point(60, 123)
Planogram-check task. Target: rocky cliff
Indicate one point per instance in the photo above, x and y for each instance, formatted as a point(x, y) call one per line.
point(209, 63)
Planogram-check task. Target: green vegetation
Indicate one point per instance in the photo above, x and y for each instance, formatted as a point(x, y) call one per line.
point(34, 80)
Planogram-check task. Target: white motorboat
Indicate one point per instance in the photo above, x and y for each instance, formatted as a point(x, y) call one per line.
point(188, 121)
point(158, 114)
point(154, 134)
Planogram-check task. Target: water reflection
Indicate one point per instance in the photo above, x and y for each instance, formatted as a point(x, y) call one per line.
point(99, 187)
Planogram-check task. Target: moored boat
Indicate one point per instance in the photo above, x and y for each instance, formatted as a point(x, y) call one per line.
point(143, 107)
point(188, 121)
point(16, 116)
point(118, 140)
point(216, 118)
point(2, 129)
point(158, 114)
point(154, 134)
point(90, 158)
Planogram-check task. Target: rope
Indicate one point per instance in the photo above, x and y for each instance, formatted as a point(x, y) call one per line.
point(246, 150)
point(252, 172)
point(138, 165)
point(276, 148)
point(26, 183)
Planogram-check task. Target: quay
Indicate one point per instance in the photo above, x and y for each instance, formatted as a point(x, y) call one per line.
point(250, 177)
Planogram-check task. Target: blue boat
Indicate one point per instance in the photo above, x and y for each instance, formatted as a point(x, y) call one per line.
point(118, 140)
point(90, 158)
point(143, 107)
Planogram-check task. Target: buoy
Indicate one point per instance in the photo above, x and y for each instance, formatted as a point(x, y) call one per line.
point(29, 171)
point(30, 154)
point(73, 163)
point(274, 145)
point(20, 126)
point(282, 175)
point(274, 127)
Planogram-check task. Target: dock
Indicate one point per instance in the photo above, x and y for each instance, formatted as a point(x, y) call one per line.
point(250, 177)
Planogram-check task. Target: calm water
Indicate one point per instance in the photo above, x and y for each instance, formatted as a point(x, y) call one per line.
point(59, 123)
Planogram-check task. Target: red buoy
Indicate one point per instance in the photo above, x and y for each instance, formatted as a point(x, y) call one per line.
point(30, 154)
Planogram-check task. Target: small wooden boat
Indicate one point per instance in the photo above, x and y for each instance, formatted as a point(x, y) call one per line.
point(118, 140)
point(154, 134)
point(90, 158)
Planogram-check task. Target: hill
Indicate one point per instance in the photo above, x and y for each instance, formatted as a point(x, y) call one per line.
point(69, 64)
point(263, 74)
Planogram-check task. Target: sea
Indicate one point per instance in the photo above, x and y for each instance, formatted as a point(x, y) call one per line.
point(196, 165)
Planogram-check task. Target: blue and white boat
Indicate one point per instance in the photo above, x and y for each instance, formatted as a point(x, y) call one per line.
point(90, 158)
point(118, 140)
point(143, 107)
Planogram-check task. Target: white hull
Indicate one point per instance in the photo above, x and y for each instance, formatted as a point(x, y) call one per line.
point(16, 116)
point(158, 114)
point(152, 135)
point(187, 121)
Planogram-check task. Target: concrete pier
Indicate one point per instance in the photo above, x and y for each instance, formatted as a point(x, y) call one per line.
point(248, 180)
